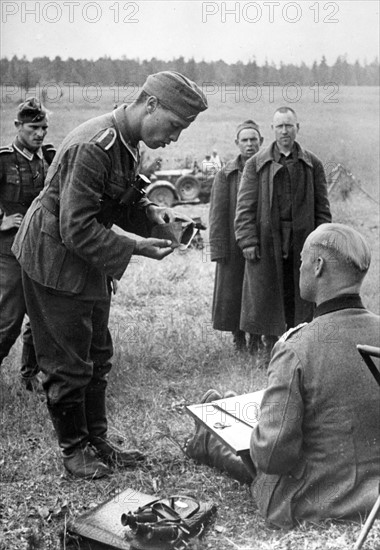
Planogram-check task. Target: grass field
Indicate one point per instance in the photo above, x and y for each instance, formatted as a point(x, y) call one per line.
point(167, 355)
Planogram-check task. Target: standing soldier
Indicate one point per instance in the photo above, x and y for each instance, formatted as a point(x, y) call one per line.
point(69, 253)
point(227, 302)
point(23, 167)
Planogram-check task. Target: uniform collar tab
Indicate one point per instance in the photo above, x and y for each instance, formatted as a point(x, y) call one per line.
point(24, 151)
point(121, 125)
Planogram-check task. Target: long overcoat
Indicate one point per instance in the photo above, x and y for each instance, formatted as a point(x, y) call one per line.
point(229, 270)
point(258, 223)
point(316, 445)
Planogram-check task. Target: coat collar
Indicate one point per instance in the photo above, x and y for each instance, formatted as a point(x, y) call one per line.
point(344, 301)
point(233, 165)
point(267, 155)
point(29, 155)
point(122, 127)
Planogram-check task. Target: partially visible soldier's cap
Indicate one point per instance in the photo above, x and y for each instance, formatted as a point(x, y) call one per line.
point(31, 111)
point(246, 125)
point(177, 93)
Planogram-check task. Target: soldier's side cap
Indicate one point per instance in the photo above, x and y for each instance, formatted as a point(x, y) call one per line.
point(177, 93)
point(247, 124)
point(31, 111)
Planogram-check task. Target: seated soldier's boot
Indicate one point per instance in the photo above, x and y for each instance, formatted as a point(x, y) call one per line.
point(78, 458)
point(196, 446)
point(205, 448)
point(239, 340)
point(224, 460)
point(229, 393)
point(95, 406)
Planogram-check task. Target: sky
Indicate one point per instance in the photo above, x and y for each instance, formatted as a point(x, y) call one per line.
point(276, 31)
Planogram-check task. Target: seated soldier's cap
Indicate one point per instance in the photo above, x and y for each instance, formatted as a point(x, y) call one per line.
point(31, 111)
point(246, 125)
point(177, 93)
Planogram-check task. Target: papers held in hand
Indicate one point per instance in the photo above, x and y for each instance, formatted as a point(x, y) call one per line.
point(181, 232)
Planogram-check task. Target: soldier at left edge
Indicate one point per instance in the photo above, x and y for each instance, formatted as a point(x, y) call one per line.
point(23, 167)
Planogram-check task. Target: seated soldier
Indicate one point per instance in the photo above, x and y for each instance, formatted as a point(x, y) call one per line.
point(316, 446)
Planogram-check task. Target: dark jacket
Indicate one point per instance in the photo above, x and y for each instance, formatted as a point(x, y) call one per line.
point(317, 445)
point(22, 176)
point(229, 271)
point(258, 223)
point(65, 241)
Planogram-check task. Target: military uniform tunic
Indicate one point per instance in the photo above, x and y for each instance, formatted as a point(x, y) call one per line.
point(68, 252)
point(22, 175)
point(316, 445)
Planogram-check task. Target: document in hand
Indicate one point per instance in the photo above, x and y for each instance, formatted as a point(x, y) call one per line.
point(231, 420)
point(181, 232)
point(245, 408)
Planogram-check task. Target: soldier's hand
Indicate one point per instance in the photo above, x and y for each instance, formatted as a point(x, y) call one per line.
point(252, 253)
point(8, 222)
point(156, 249)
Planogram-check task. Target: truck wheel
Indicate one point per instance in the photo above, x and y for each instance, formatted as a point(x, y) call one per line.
point(162, 193)
point(188, 187)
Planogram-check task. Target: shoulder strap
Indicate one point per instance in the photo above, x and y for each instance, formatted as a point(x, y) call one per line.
point(106, 138)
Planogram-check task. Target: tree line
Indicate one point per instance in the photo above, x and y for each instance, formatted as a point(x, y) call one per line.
point(106, 71)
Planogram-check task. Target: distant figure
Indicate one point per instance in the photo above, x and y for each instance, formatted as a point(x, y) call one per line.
point(23, 167)
point(208, 167)
point(282, 199)
point(216, 159)
point(195, 167)
point(227, 302)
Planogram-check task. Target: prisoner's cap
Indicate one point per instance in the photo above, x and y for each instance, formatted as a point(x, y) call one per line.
point(246, 125)
point(31, 111)
point(177, 93)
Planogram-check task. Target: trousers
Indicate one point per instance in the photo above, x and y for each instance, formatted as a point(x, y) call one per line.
point(12, 313)
point(72, 341)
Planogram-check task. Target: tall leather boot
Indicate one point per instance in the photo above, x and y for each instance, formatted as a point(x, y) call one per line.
point(95, 406)
point(78, 458)
point(205, 448)
point(224, 460)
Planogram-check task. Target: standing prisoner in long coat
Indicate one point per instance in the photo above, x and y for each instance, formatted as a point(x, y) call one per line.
point(282, 199)
point(229, 273)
